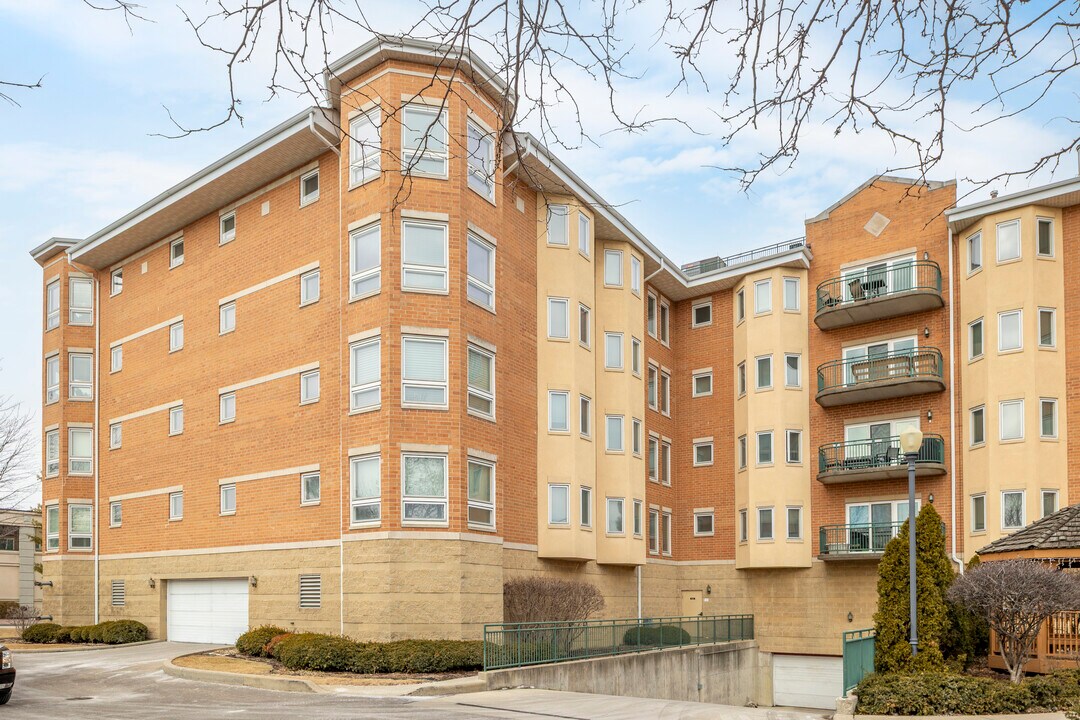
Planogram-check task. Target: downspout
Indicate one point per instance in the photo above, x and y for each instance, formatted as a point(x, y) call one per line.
point(952, 404)
point(656, 272)
point(341, 380)
point(638, 573)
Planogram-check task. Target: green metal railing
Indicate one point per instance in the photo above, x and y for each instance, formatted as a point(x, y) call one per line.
point(858, 539)
point(858, 455)
point(509, 645)
point(919, 363)
point(858, 656)
point(873, 283)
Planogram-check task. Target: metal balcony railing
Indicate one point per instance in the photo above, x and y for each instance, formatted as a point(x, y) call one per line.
point(715, 263)
point(918, 364)
point(861, 455)
point(874, 283)
point(859, 539)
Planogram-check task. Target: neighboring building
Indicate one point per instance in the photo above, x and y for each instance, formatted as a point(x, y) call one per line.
point(19, 552)
point(304, 388)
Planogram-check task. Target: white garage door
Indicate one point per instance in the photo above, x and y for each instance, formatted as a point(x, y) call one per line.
point(207, 611)
point(807, 681)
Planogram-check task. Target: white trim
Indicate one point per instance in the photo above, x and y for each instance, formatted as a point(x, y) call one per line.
point(268, 378)
point(423, 448)
point(268, 283)
point(269, 474)
point(140, 413)
point(364, 335)
point(145, 493)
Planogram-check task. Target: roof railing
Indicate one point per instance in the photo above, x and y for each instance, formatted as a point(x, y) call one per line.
point(707, 265)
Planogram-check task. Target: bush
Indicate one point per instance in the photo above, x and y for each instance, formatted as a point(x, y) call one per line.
point(63, 635)
point(41, 633)
point(275, 643)
point(541, 599)
point(656, 635)
point(948, 694)
point(430, 656)
point(96, 633)
point(7, 607)
point(79, 633)
point(119, 632)
point(313, 651)
point(333, 653)
point(253, 643)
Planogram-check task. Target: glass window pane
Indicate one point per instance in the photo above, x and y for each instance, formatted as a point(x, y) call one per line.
point(424, 244)
point(1008, 241)
point(365, 478)
point(557, 318)
point(613, 267)
point(557, 412)
point(479, 370)
point(558, 503)
point(423, 360)
point(479, 261)
point(558, 225)
point(479, 482)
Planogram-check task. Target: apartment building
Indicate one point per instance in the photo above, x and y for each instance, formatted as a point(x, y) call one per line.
point(358, 373)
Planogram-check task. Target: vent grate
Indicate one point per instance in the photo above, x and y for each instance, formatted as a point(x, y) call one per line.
point(310, 591)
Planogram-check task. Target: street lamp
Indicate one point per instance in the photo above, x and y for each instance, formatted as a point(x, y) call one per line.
point(910, 444)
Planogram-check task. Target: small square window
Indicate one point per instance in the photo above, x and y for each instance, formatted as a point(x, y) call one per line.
point(309, 287)
point(176, 336)
point(309, 386)
point(227, 407)
point(116, 282)
point(228, 228)
point(176, 253)
point(703, 454)
point(1049, 502)
point(227, 318)
point(702, 315)
point(309, 187)
point(702, 384)
point(116, 435)
point(703, 524)
point(228, 499)
point(310, 488)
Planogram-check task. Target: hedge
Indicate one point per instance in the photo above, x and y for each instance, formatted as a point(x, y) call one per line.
point(254, 641)
point(656, 635)
point(40, 633)
point(950, 694)
point(111, 632)
point(334, 653)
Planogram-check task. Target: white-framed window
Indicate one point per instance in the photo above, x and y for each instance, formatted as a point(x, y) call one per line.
point(309, 387)
point(52, 453)
point(742, 452)
point(1010, 330)
point(309, 287)
point(1048, 418)
point(1047, 327)
point(635, 275)
point(794, 523)
point(636, 430)
point(481, 498)
point(481, 161)
point(310, 488)
point(80, 451)
point(228, 499)
point(52, 379)
point(653, 387)
point(481, 382)
point(80, 300)
point(227, 228)
point(116, 282)
point(584, 416)
point(116, 435)
point(703, 523)
point(765, 523)
point(793, 446)
point(176, 420)
point(80, 376)
point(701, 315)
point(116, 359)
point(613, 351)
point(365, 148)
point(974, 248)
point(1011, 419)
point(1049, 502)
point(424, 255)
point(613, 268)
point(227, 318)
point(654, 531)
point(424, 140)
point(792, 370)
point(654, 459)
point(176, 336)
point(665, 533)
point(665, 315)
point(423, 488)
point(635, 356)
point(558, 225)
point(365, 261)
point(665, 393)
point(558, 318)
point(665, 463)
point(585, 506)
point(791, 294)
point(650, 314)
point(116, 514)
point(703, 453)
point(424, 372)
point(975, 339)
point(744, 526)
point(366, 489)
point(176, 253)
point(80, 527)
point(616, 522)
point(310, 591)
point(584, 233)
point(52, 305)
point(638, 510)
point(978, 425)
point(1044, 237)
point(558, 413)
point(176, 505)
point(309, 187)
point(978, 513)
point(584, 326)
point(763, 297)
point(740, 306)
point(614, 433)
point(1008, 241)
point(764, 372)
point(702, 384)
point(764, 447)
point(558, 504)
point(365, 374)
point(52, 528)
point(1012, 509)
point(481, 272)
point(740, 379)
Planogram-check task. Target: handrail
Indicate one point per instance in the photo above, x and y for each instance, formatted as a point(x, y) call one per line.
point(874, 283)
point(923, 362)
point(701, 267)
point(858, 538)
point(857, 455)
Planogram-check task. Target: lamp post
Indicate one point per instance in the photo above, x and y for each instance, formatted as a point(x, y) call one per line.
point(910, 444)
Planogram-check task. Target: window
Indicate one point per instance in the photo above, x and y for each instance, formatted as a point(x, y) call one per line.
point(424, 140)
point(423, 487)
point(176, 420)
point(614, 433)
point(481, 272)
point(558, 225)
point(740, 306)
point(665, 463)
point(794, 446)
point(423, 372)
point(365, 258)
point(1047, 328)
point(227, 318)
point(309, 287)
point(116, 514)
point(52, 453)
point(80, 527)
point(740, 378)
point(176, 253)
point(764, 372)
point(310, 488)
point(309, 386)
point(1049, 502)
point(481, 162)
point(652, 387)
point(791, 294)
point(665, 311)
point(81, 376)
point(584, 233)
point(366, 494)
point(310, 591)
point(650, 314)
point(365, 375)
point(116, 281)
point(654, 458)
point(635, 275)
point(423, 256)
point(765, 523)
point(80, 451)
point(978, 426)
point(52, 305)
point(635, 356)
point(585, 506)
point(974, 244)
point(116, 435)
point(176, 336)
point(80, 301)
point(365, 148)
point(558, 318)
point(227, 228)
point(481, 510)
point(1008, 241)
point(635, 436)
point(702, 384)
point(52, 528)
point(1048, 418)
point(613, 268)
point(585, 416)
point(978, 513)
point(557, 411)
point(665, 393)
point(762, 297)
point(116, 359)
point(1012, 510)
point(309, 187)
point(637, 518)
point(176, 505)
point(703, 454)
point(481, 382)
point(615, 520)
point(794, 523)
point(975, 339)
point(764, 448)
point(584, 326)
point(52, 379)
point(665, 533)
point(792, 373)
point(1045, 237)
point(228, 499)
point(654, 522)
point(703, 524)
point(559, 504)
point(701, 315)
point(1010, 333)
point(744, 530)
point(742, 452)
point(1012, 419)
point(613, 351)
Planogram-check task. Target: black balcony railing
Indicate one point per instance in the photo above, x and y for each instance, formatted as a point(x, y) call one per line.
point(701, 267)
point(874, 283)
point(916, 364)
point(861, 455)
point(858, 539)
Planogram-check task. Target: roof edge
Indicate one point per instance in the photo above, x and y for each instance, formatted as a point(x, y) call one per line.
point(895, 179)
point(51, 247)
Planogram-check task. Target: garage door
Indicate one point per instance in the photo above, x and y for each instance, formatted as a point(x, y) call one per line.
point(207, 611)
point(807, 681)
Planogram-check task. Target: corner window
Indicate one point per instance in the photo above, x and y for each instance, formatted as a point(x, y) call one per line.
point(176, 505)
point(978, 426)
point(424, 141)
point(978, 513)
point(228, 499)
point(558, 225)
point(52, 528)
point(665, 313)
point(975, 339)
point(481, 272)
point(52, 453)
point(652, 385)
point(791, 294)
point(762, 297)
point(613, 268)
point(365, 375)
point(654, 531)
point(558, 318)
point(52, 379)
point(176, 336)
point(1012, 510)
point(481, 162)
point(423, 488)
point(792, 371)
point(614, 432)
point(703, 524)
point(176, 253)
point(637, 518)
point(227, 228)
point(1008, 241)
point(80, 527)
point(423, 372)
point(615, 520)
point(116, 358)
point(1010, 331)
point(765, 523)
point(974, 247)
point(665, 533)
point(365, 148)
point(701, 315)
point(481, 510)
point(665, 463)
point(635, 356)
point(481, 382)
point(703, 453)
point(585, 416)
point(558, 411)
point(650, 313)
point(52, 305)
point(584, 233)
point(742, 452)
point(635, 275)
point(309, 287)
point(613, 351)
point(116, 514)
point(423, 256)
point(702, 384)
point(80, 451)
point(1048, 418)
point(794, 523)
point(654, 459)
point(365, 269)
point(366, 495)
point(559, 504)
point(794, 446)
point(764, 372)
point(1045, 237)
point(116, 281)
point(635, 436)
point(309, 386)
point(1011, 419)
point(116, 435)
point(585, 506)
point(227, 318)
point(665, 393)
point(743, 526)
point(1049, 502)
point(1047, 328)
point(309, 187)
point(740, 306)
point(740, 379)
point(310, 488)
point(176, 420)
point(80, 301)
point(584, 326)
point(764, 448)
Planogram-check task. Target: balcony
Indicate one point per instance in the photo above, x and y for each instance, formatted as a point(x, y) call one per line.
point(713, 264)
point(877, 459)
point(877, 293)
point(865, 541)
point(893, 374)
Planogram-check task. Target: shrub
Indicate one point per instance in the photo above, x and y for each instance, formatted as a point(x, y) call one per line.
point(541, 599)
point(313, 651)
point(96, 633)
point(254, 641)
point(63, 635)
point(429, 656)
point(119, 632)
point(275, 643)
point(7, 607)
point(41, 633)
point(79, 633)
point(950, 694)
point(656, 635)
point(333, 653)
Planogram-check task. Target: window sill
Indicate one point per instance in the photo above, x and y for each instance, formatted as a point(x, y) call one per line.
point(1049, 439)
point(114, 447)
point(1011, 441)
point(1047, 348)
point(175, 350)
point(765, 465)
point(424, 524)
point(222, 333)
point(614, 369)
point(414, 406)
point(424, 291)
point(179, 264)
point(78, 324)
point(1010, 261)
point(175, 519)
point(71, 399)
point(176, 434)
point(308, 202)
point(1011, 351)
point(365, 410)
point(977, 446)
point(611, 286)
point(564, 433)
point(365, 296)
point(114, 294)
point(230, 421)
point(701, 395)
point(558, 339)
point(310, 503)
point(365, 525)
point(482, 528)
point(614, 452)
point(704, 535)
point(227, 514)
point(561, 246)
point(480, 305)
point(700, 325)
point(615, 534)
point(414, 173)
point(308, 302)
point(79, 474)
point(973, 360)
point(309, 402)
point(793, 311)
point(584, 255)
point(562, 526)
point(111, 372)
point(793, 387)
point(480, 416)
point(80, 550)
point(225, 241)
point(795, 541)
point(708, 464)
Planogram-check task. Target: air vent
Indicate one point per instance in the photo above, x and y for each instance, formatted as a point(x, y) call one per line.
point(310, 591)
point(118, 593)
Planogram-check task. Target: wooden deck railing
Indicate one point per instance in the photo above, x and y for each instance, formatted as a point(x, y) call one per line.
point(1057, 647)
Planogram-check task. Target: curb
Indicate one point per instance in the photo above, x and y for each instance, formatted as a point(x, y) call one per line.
point(99, 646)
point(261, 682)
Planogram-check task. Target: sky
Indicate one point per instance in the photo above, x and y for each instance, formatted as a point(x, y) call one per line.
point(85, 148)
